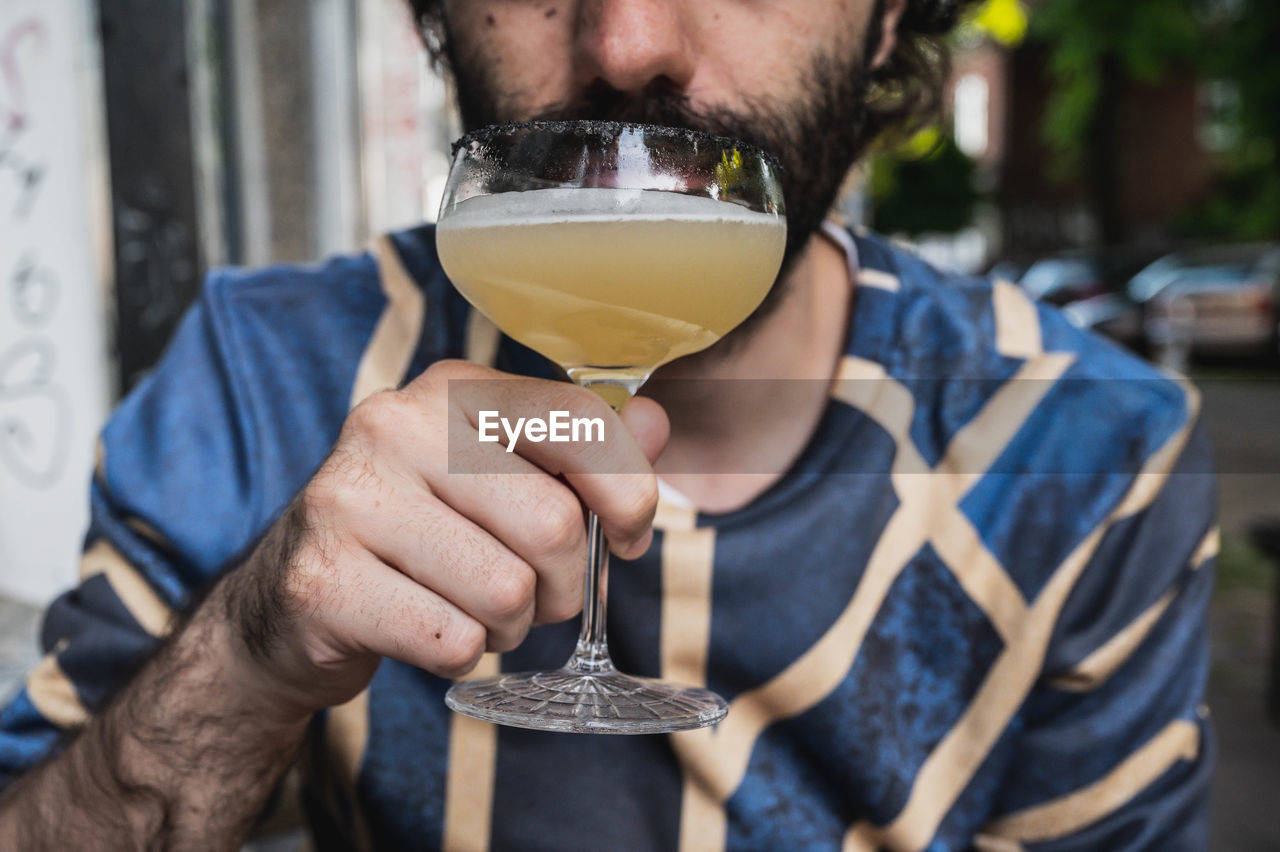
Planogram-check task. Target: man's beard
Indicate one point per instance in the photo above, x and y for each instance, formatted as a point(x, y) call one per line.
point(817, 140)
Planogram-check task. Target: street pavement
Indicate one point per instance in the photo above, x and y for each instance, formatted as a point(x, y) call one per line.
point(1242, 414)
point(19, 646)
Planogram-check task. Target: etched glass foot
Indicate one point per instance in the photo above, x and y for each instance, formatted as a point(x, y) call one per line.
point(607, 702)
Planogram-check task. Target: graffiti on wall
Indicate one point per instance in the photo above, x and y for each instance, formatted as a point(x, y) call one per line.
point(35, 409)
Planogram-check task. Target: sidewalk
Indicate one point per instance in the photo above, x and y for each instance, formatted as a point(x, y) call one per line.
point(19, 644)
point(1246, 810)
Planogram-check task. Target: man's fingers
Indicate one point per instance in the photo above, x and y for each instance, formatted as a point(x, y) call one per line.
point(647, 421)
point(538, 518)
point(613, 477)
point(438, 548)
point(515, 415)
point(376, 608)
point(535, 516)
point(396, 553)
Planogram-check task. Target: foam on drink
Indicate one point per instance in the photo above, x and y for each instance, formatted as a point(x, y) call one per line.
point(620, 281)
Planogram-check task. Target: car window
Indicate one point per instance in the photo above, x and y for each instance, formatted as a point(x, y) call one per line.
point(1209, 278)
point(1269, 266)
point(1048, 276)
point(1154, 278)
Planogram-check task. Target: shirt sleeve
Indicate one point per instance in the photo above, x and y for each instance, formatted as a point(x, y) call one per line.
point(166, 485)
point(1116, 750)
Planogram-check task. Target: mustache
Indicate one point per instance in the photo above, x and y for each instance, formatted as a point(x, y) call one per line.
point(660, 104)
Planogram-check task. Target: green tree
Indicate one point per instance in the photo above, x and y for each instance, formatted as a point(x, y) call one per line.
point(1244, 35)
point(1095, 49)
point(924, 186)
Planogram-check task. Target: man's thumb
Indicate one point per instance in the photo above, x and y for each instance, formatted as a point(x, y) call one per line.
point(648, 422)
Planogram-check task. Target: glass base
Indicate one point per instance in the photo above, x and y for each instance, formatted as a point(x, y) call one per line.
point(603, 703)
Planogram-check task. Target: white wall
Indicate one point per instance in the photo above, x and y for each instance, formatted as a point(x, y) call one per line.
point(406, 122)
point(53, 252)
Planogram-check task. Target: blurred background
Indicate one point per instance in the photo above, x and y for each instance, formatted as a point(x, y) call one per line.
point(1119, 160)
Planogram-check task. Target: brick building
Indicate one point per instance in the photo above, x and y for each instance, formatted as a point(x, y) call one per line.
point(1160, 163)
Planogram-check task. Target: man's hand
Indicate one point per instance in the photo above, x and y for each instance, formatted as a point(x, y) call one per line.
point(385, 553)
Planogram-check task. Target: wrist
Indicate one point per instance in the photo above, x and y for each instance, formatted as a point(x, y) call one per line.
point(251, 680)
point(186, 754)
point(289, 665)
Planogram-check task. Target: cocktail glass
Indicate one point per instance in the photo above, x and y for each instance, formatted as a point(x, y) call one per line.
point(611, 249)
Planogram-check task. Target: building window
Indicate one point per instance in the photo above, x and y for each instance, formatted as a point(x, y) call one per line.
point(1218, 124)
point(1221, 11)
point(971, 114)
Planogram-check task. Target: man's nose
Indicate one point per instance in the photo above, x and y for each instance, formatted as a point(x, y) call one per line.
point(629, 44)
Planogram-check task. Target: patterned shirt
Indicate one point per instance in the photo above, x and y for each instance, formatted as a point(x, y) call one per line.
point(970, 614)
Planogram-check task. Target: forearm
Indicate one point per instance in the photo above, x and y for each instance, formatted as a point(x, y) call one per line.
point(184, 757)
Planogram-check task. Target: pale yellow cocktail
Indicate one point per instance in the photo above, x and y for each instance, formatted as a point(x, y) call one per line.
point(608, 280)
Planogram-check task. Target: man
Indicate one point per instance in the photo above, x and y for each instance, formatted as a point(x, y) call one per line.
point(954, 587)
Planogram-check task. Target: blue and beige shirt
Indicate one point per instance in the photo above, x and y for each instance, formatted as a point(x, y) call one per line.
point(972, 613)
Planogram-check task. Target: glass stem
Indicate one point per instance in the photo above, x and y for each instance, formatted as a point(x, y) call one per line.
point(591, 656)
point(592, 653)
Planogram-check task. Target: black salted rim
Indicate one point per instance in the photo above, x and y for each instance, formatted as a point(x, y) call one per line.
point(611, 128)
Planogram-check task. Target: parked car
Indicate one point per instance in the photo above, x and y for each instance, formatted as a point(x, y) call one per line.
point(1112, 314)
point(1218, 300)
point(1009, 268)
point(1089, 285)
point(1063, 279)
